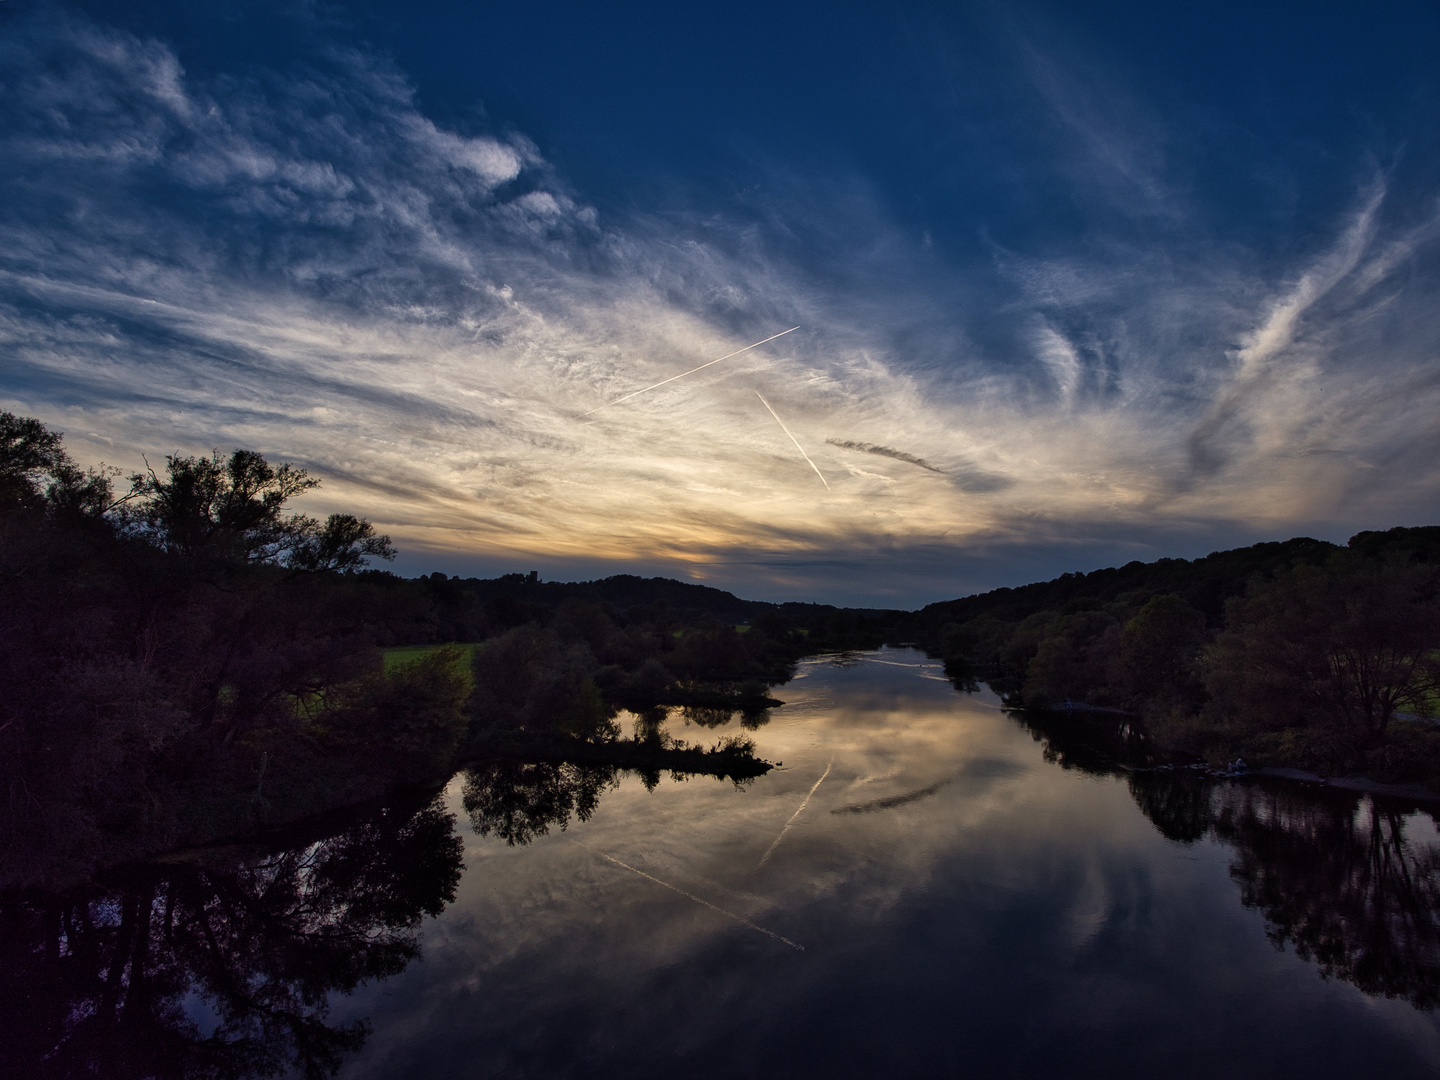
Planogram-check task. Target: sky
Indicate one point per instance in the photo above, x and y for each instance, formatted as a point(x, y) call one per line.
point(1070, 285)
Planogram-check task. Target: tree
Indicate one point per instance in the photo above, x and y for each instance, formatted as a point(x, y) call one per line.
point(1344, 645)
point(234, 509)
point(36, 473)
point(342, 543)
point(1074, 659)
point(527, 678)
point(1160, 648)
point(28, 451)
point(415, 711)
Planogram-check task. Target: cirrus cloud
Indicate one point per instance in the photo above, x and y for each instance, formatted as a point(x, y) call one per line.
point(304, 263)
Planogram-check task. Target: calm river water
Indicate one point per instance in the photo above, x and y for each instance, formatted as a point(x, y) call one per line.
point(928, 887)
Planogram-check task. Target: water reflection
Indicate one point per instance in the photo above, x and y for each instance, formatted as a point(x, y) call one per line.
point(961, 903)
point(891, 801)
point(708, 717)
point(1337, 876)
point(517, 802)
point(190, 971)
point(1096, 741)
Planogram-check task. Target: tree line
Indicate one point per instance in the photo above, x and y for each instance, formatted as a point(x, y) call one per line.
point(185, 657)
point(1302, 654)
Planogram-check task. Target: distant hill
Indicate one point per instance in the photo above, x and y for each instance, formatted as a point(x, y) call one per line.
point(1204, 583)
point(517, 597)
point(622, 591)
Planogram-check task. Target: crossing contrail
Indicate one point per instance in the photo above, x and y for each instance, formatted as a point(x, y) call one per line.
point(794, 440)
point(692, 371)
point(803, 803)
point(691, 896)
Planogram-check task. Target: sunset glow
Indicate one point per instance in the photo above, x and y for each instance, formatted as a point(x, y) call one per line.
point(310, 257)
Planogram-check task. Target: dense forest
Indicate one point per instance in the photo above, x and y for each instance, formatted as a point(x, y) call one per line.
point(1300, 654)
point(186, 658)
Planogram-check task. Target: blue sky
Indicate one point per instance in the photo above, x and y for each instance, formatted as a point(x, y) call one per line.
point(1073, 284)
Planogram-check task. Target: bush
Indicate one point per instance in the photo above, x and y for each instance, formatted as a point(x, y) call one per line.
point(528, 679)
point(1322, 750)
point(413, 716)
point(1410, 754)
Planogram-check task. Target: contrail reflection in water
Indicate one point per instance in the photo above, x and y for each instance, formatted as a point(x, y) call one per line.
point(803, 803)
point(691, 896)
point(893, 801)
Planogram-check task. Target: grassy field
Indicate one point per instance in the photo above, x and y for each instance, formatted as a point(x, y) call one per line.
point(400, 655)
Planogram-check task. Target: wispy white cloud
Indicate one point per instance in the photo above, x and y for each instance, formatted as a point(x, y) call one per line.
point(308, 265)
point(1260, 387)
point(1060, 357)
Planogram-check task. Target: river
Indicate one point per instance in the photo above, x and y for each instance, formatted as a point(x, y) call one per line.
point(927, 886)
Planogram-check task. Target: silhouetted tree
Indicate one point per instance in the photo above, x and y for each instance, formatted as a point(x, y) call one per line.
point(1344, 645)
point(234, 508)
point(29, 452)
point(343, 542)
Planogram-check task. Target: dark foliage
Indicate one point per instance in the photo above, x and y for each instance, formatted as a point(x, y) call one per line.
point(193, 660)
point(107, 980)
point(1295, 654)
point(180, 661)
point(1344, 647)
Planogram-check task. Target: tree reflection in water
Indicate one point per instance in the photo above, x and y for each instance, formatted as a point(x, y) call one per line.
point(197, 971)
point(518, 801)
point(1342, 884)
point(193, 971)
point(1336, 877)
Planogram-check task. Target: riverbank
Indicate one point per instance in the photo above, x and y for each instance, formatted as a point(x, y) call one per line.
point(1406, 766)
point(259, 794)
point(1364, 785)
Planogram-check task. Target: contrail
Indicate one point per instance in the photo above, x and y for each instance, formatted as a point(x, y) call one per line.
point(803, 803)
point(794, 440)
point(885, 451)
point(692, 371)
point(691, 896)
